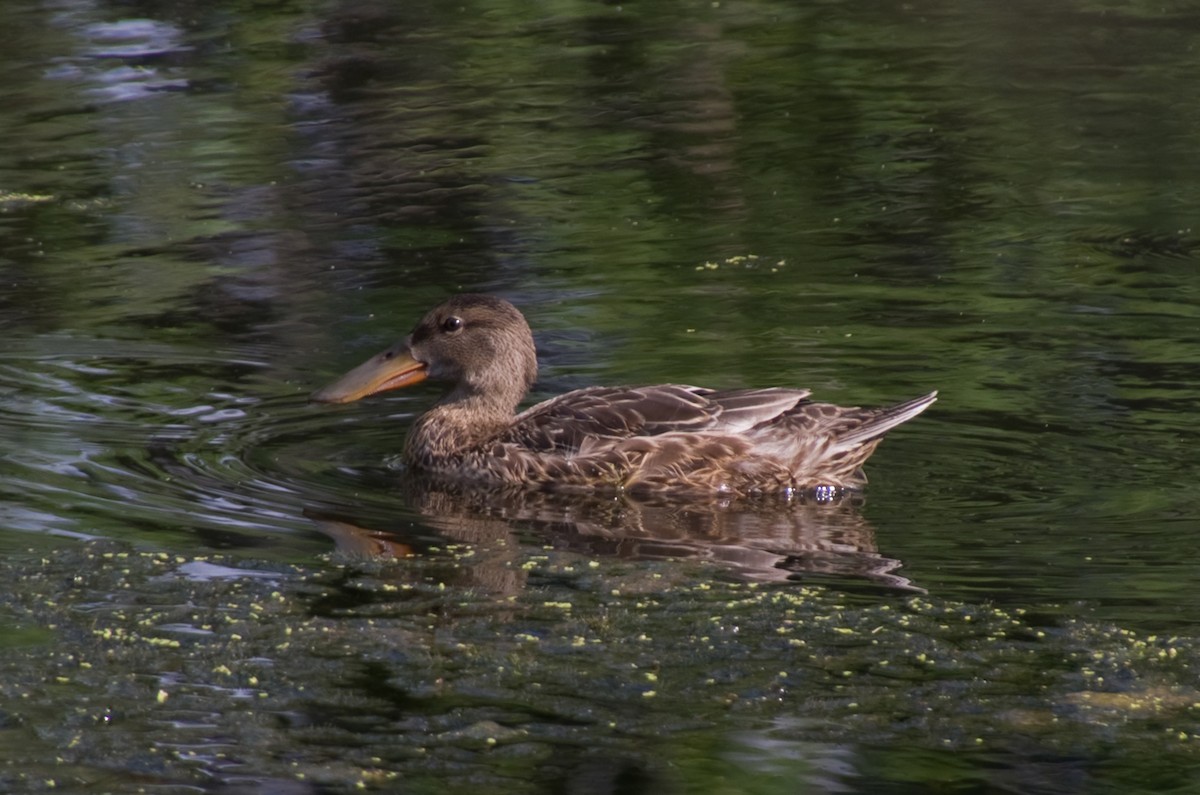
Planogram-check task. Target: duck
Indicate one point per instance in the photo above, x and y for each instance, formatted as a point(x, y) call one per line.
point(675, 439)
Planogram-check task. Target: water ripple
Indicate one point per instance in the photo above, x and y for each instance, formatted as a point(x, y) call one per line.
point(104, 450)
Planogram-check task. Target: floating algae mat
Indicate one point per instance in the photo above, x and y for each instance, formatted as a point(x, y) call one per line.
point(123, 670)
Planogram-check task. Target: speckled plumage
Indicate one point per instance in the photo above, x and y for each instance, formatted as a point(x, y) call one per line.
point(652, 439)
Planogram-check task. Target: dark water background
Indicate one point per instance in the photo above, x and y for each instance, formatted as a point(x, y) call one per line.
point(209, 210)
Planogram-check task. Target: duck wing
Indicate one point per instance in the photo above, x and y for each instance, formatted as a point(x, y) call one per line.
point(579, 419)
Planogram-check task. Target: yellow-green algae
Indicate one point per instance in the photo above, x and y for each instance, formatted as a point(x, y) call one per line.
point(404, 675)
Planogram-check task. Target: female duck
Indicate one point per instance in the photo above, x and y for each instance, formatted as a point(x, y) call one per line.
point(652, 439)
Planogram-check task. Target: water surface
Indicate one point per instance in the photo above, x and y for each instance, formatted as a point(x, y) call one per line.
point(207, 213)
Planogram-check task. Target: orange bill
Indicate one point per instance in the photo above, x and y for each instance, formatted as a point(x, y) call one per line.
point(392, 369)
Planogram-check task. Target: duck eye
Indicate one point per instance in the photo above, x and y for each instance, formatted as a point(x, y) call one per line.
point(452, 324)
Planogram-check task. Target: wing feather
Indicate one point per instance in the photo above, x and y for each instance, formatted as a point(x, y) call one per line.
point(577, 419)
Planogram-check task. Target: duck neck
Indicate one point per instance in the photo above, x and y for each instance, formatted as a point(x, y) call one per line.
point(460, 423)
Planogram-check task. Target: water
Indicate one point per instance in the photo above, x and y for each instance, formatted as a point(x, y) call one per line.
point(207, 213)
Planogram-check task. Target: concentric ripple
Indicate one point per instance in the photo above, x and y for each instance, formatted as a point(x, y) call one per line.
point(141, 442)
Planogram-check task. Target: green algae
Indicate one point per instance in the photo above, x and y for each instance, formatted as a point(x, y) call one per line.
point(349, 674)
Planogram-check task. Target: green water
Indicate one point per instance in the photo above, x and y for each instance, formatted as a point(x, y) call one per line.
point(207, 212)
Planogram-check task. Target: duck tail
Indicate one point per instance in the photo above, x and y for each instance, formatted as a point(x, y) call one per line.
point(880, 421)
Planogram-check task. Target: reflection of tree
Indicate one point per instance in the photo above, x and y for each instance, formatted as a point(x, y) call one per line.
point(762, 540)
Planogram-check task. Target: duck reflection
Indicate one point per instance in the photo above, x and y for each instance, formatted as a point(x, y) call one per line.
point(769, 540)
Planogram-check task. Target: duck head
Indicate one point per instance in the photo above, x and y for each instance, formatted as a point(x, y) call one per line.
point(479, 344)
